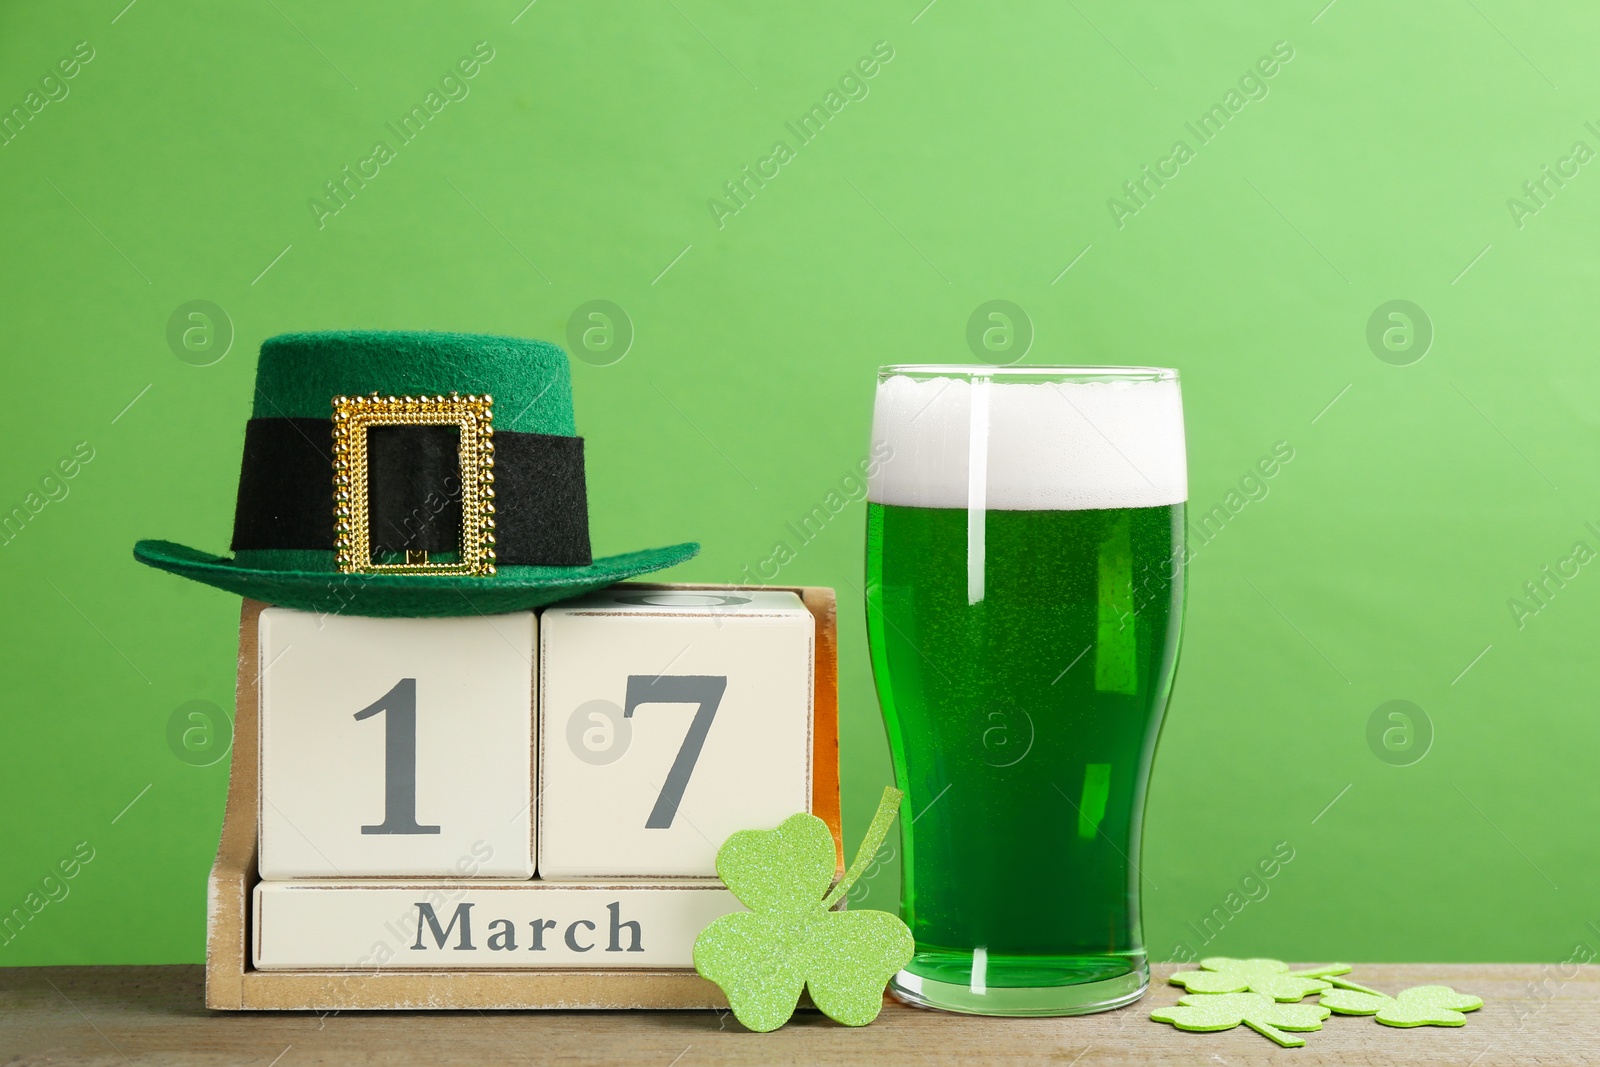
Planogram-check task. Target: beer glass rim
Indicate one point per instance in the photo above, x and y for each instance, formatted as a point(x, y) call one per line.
point(1032, 373)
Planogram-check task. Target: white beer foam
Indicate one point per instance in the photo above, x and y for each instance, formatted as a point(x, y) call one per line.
point(1066, 446)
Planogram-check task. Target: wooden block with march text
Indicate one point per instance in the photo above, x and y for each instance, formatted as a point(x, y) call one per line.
point(396, 746)
point(670, 719)
point(433, 925)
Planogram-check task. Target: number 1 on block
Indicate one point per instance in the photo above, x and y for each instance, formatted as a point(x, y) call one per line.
point(399, 759)
point(369, 726)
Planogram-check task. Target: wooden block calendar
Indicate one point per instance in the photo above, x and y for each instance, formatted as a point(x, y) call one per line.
point(396, 783)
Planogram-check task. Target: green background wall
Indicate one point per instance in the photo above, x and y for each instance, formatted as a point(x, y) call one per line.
point(1422, 495)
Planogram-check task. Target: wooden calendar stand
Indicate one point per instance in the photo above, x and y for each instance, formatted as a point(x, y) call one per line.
point(233, 984)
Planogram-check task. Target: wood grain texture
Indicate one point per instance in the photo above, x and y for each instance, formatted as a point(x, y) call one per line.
point(234, 871)
point(1534, 1016)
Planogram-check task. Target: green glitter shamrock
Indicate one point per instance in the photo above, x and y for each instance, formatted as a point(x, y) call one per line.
point(1224, 1011)
point(790, 938)
point(1423, 1005)
point(1220, 974)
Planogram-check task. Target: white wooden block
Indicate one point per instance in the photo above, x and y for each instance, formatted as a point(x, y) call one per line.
point(396, 746)
point(669, 720)
point(378, 926)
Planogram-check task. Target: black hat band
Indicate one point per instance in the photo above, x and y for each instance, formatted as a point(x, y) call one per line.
point(286, 492)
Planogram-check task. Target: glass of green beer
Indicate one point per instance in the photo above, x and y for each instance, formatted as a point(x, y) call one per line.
point(1025, 587)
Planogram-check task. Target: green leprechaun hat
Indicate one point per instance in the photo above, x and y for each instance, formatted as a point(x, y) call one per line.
point(410, 474)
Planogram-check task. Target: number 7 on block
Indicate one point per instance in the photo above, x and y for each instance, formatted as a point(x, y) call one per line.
point(703, 689)
point(668, 720)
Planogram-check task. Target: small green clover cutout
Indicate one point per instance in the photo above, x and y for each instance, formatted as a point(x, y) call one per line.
point(1423, 1005)
point(1220, 974)
point(790, 938)
point(1224, 1011)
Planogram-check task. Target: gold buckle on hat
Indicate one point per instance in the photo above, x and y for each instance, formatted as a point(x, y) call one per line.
point(474, 415)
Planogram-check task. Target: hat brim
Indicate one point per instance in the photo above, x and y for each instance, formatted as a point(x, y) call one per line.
point(408, 595)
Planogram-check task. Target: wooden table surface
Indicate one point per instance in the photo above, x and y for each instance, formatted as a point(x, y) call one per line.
point(1533, 1016)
